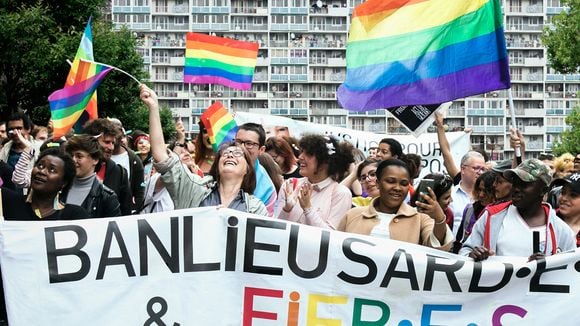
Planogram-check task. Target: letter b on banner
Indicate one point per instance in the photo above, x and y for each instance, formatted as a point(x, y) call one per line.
point(52, 253)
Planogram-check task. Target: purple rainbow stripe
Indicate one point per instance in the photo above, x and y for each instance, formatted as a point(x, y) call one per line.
point(216, 80)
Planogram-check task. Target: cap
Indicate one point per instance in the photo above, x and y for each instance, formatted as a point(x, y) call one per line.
point(502, 166)
point(530, 171)
point(573, 180)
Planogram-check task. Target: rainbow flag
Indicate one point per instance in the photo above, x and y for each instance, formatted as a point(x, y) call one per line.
point(67, 104)
point(220, 124)
point(409, 52)
point(219, 60)
point(85, 52)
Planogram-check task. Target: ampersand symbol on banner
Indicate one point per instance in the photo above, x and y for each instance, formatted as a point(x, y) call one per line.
point(155, 317)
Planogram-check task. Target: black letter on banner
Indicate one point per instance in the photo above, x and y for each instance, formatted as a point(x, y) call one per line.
point(322, 254)
point(231, 244)
point(351, 255)
point(188, 264)
point(52, 254)
point(449, 270)
point(535, 285)
point(410, 274)
point(251, 245)
point(146, 232)
point(474, 285)
point(113, 229)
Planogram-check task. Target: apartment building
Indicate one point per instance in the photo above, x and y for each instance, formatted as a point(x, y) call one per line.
point(302, 61)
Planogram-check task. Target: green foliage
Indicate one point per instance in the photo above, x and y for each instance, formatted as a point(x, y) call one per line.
point(569, 141)
point(41, 36)
point(563, 39)
point(140, 121)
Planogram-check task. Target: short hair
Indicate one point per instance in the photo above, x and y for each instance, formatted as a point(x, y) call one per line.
point(250, 126)
point(390, 162)
point(86, 143)
point(469, 155)
point(442, 183)
point(394, 145)
point(19, 115)
point(328, 150)
point(365, 163)
point(249, 181)
point(37, 129)
point(283, 148)
point(69, 165)
point(413, 162)
point(102, 126)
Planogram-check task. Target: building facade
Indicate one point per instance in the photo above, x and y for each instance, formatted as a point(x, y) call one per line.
point(302, 61)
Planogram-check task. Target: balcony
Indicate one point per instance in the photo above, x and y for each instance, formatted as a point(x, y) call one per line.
point(170, 27)
point(456, 113)
point(534, 130)
point(524, 28)
point(533, 9)
point(178, 9)
point(210, 10)
point(560, 111)
point(559, 77)
point(289, 10)
point(554, 10)
point(288, 27)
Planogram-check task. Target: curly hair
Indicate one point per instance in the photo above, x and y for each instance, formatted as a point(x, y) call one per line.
point(102, 126)
point(69, 165)
point(328, 150)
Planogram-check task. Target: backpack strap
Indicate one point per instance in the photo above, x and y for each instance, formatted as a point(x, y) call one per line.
point(491, 211)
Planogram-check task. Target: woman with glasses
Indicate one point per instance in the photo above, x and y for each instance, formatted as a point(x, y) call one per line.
point(317, 199)
point(366, 174)
point(281, 151)
point(388, 216)
point(231, 179)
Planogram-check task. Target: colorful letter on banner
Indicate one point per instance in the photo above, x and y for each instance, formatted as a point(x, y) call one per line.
point(209, 266)
point(220, 124)
point(219, 60)
point(85, 52)
point(403, 52)
point(67, 104)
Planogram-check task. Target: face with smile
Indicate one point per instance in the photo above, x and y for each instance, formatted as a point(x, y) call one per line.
point(368, 180)
point(308, 166)
point(84, 163)
point(143, 146)
point(569, 202)
point(47, 175)
point(107, 143)
point(232, 161)
point(393, 186)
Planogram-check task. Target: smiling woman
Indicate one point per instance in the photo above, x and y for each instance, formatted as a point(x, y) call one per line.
point(231, 180)
point(388, 216)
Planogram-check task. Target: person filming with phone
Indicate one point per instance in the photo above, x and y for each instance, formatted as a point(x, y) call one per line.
point(388, 216)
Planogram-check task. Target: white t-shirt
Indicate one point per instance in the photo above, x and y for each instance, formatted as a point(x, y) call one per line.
point(381, 230)
point(123, 160)
point(515, 236)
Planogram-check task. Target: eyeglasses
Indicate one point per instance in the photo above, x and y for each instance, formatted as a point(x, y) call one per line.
point(247, 143)
point(477, 168)
point(233, 152)
point(365, 177)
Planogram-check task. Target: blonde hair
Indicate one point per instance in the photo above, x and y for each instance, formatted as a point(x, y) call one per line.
point(563, 165)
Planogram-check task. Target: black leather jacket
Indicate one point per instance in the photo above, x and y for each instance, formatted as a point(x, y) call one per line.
point(101, 201)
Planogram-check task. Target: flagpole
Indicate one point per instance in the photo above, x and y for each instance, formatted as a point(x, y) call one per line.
point(517, 149)
point(112, 67)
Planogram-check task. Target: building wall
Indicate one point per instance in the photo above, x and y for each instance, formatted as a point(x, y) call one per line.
point(302, 61)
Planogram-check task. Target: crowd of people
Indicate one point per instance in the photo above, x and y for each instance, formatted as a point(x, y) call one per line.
point(479, 208)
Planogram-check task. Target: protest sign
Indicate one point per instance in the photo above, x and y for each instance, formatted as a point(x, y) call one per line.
point(209, 266)
point(426, 145)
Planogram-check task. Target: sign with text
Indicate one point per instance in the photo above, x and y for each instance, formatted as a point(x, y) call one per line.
point(209, 266)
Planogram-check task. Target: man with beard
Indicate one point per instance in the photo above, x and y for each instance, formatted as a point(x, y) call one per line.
point(507, 229)
point(110, 173)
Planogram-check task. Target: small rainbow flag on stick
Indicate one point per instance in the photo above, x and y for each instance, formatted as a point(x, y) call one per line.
point(409, 52)
point(220, 124)
point(85, 52)
point(219, 60)
point(67, 104)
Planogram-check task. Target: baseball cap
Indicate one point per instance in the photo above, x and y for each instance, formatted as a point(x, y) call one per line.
point(502, 166)
point(573, 180)
point(530, 171)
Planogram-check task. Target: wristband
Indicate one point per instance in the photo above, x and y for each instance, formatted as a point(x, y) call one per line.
point(442, 221)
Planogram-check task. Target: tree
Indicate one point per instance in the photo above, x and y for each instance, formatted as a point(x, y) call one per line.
point(41, 36)
point(140, 121)
point(569, 141)
point(563, 39)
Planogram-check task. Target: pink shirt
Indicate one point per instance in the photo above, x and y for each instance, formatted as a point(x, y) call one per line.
point(330, 202)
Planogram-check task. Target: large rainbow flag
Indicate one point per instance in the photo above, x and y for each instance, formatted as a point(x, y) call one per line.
point(85, 52)
point(409, 52)
point(67, 104)
point(219, 60)
point(220, 124)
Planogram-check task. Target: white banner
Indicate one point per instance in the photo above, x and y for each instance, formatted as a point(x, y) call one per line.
point(222, 267)
point(425, 145)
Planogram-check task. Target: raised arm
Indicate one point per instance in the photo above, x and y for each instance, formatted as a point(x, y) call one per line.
point(448, 161)
point(149, 98)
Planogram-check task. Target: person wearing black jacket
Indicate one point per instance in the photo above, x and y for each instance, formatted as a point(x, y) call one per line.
point(112, 174)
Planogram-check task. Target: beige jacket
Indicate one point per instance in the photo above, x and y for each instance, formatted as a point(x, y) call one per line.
point(408, 225)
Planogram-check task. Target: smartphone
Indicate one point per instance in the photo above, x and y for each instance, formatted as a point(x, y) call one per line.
point(422, 188)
